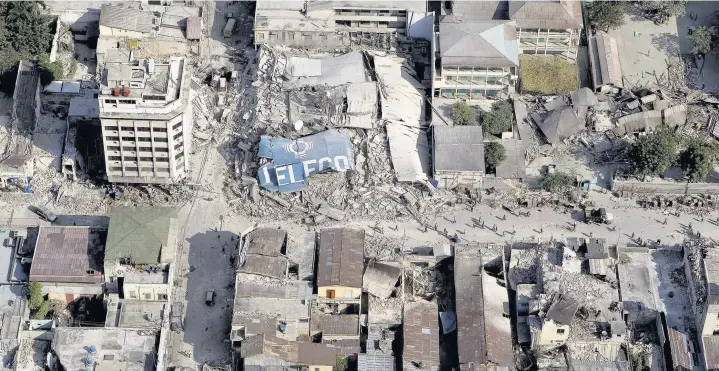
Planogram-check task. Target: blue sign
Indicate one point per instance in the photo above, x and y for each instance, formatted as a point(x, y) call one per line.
point(293, 161)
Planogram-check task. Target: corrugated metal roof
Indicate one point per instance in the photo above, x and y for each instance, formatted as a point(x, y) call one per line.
point(606, 70)
point(711, 352)
point(126, 18)
point(270, 266)
point(471, 335)
point(560, 124)
point(68, 254)
point(194, 28)
point(597, 248)
point(485, 43)
point(341, 257)
point(514, 166)
point(679, 346)
point(557, 14)
point(145, 235)
point(458, 148)
point(265, 241)
point(562, 310)
point(335, 324)
point(380, 279)
point(421, 335)
point(375, 362)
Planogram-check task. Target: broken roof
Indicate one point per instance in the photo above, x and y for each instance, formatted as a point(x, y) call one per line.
point(335, 324)
point(293, 352)
point(711, 265)
point(711, 351)
point(126, 18)
point(557, 14)
point(265, 241)
point(560, 124)
point(341, 257)
point(478, 43)
point(194, 28)
point(375, 362)
point(68, 254)
point(562, 310)
point(421, 335)
point(380, 279)
point(270, 266)
point(583, 97)
point(597, 248)
point(144, 235)
point(638, 122)
point(682, 357)
point(458, 148)
point(471, 334)
point(514, 166)
point(344, 69)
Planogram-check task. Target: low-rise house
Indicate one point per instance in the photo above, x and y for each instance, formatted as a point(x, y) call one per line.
point(380, 279)
point(709, 324)
point(140, 248)
point(552, 330)
point(514, 165)
point(458, 156)
point(68, 261)
point(548, 27)
point(339, 265)
point(476, 58)
point(598, 257)
point(262, 352)
point(124, 21)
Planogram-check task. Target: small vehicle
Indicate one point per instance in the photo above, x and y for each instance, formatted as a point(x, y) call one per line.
point(210, 298)
point(598, 216)
point(43, 213)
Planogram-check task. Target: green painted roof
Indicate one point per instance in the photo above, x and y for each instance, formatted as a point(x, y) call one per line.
point(141, 234)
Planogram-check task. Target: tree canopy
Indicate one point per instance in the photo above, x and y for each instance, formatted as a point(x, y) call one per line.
point(605, 15)
point(654, 153)
point(494, 154)
point(499, 119)
point(661, 11)
point(557, 182)
point(698, 159)
point(463, 114)
point(25, 33)
point(702, 39)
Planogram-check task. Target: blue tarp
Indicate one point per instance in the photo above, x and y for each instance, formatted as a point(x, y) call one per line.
point(293, 161)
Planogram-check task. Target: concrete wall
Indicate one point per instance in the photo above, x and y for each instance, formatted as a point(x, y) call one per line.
point(341, 292)
point(109, 31)
point(635, 186)
point(145, 291)
point(552, 334)
point(451, 179)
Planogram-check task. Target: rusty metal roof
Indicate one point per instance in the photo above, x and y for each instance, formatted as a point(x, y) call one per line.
point(563, 309)
point(711, 351)
point(679, 347)
point(341, 257)
point(421, 335)
point(380, 279)
point(68, 254)
point(471, 341)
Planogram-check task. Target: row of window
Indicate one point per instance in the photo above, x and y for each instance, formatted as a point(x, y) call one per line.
point(141, 149)
point(139, 139)
point(365, 12)
point(149, 159)
point(475, 93)
point(487, 79)
point(145, 129)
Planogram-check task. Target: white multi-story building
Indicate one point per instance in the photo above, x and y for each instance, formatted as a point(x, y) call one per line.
point(145, 128)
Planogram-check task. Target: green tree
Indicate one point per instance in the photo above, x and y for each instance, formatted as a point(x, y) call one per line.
point(499, 119)
point(698, 159)
point(463, 114)
point(494, 154)
point(661, 11)
point(557, 182)
point(50, 71)
point(654, 153)
point(33, 290)
point(605, 15)
point(43, 310)
point(702, 39)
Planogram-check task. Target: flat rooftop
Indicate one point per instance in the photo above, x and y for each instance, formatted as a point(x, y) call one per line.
point(133, 349)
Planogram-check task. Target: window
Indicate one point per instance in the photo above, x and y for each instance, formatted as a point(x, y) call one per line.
point(159, 130)
point(116, 168)
point(130, 149)
point(162, 159)
point(147, 296)
point(144, 139)
point(112, 138)
point(145, 149)
point(162, 149)
point(128, 139)
point(560, 331)
point(133, 295)
point(113, 148)
point(306, 36)
point(260, 36)
point(90, 271)
point(179, 124)
point(161, 140)
point(108, 357)
point(323, 36)
point(145, 158)
point(131, 168)
point(331, 294)
point(177, 136)
point(144, 168)
point(178, 146)
point(143, 129)
point(161, 296)
point(128, 128)
point(114, 158)
point(178, 156)
point(290, 36)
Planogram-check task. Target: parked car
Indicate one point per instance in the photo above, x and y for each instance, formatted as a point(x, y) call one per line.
point(43, 213)
point(210, 298)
